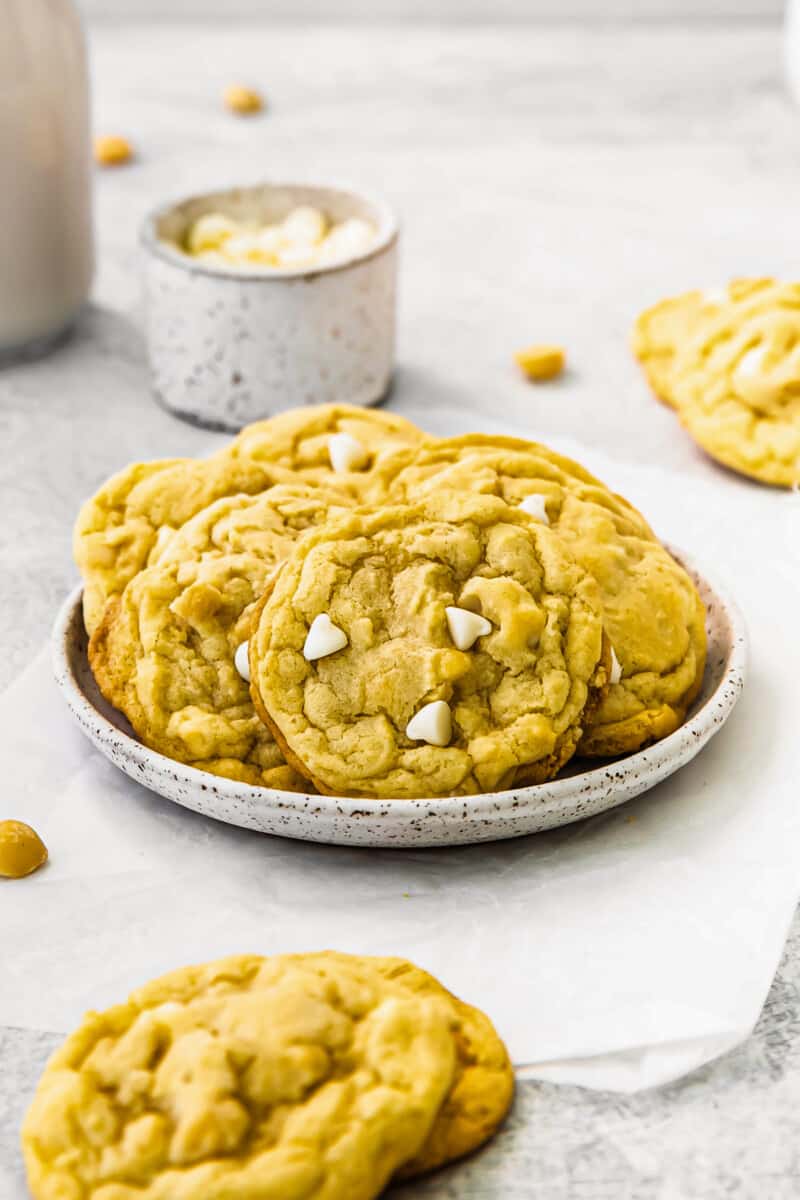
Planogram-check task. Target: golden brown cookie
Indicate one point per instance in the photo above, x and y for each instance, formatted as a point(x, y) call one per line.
point(738, 387)
point(664, 330)
point(483, 1084)
point(396, 477)
point(315, 441)
point(433, 650)
point(653, 615)
point(165, 652)
point(315, 1077)
point(117, 531)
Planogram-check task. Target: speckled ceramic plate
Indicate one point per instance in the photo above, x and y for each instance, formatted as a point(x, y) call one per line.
point(582, 790)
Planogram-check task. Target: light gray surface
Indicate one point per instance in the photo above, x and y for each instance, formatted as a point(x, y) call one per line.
point(434, 11)
point(551, 183)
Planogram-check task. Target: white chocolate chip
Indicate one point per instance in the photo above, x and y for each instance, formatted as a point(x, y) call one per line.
point(752, 362)
point(270, 240)
point(210, 231)
point(432, 724)
point(465, 626)
point(241, 661)
point(303, 240)
point(241, 247)
point(346, 452)
point(347, 240)
point(616, 669)
point(534, 507)
point(163, 535)
point(294, 258)
point(304, 226)
point(715, 297)
point(323, 638)
point(168, 1008)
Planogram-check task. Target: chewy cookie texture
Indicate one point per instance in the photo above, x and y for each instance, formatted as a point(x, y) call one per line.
point(729, 362)
point(315, 1076)
point(661, 332)
point(337, 601)
point(653, 615)
point(119, 530)
point(509, 703)
point(165, 650)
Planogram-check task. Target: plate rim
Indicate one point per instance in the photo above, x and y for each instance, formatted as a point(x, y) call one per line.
point(675, 750)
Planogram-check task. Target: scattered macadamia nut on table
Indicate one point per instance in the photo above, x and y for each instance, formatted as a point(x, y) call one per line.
point(22, 851)
point(243, 100)
point(111, 150)
point(541, 362)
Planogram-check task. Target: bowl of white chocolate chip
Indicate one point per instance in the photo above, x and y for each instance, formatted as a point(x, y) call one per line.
point(268, 297)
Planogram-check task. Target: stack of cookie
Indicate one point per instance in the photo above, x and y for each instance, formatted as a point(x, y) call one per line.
point(336, 601)
point(728, 360)
point(306, 1076)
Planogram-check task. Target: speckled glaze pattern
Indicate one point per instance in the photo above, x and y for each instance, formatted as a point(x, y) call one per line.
point(228, 347)
point(575, 795)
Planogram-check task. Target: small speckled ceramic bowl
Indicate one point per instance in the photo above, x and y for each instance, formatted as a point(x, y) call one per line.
point(230, 346)
point(583, 790)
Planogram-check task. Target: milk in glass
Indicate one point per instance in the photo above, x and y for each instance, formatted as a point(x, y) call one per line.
point(45, 199)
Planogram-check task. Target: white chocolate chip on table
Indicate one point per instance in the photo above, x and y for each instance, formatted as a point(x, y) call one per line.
point(432, 724)
point(323, 638)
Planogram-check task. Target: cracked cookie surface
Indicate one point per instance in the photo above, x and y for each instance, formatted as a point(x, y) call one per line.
point(738, 387)
point(516, 698)
point(299, 440)
point(118, 530)
point(662, 332)
point(313, 1076)
point(164, 652)
point(318, 1072)
point(653, 614)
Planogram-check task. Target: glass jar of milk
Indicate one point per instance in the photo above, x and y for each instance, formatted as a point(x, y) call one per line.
point(45, 194)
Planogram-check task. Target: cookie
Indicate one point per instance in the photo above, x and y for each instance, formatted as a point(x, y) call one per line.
point(165, 652)
point(312, 442)
point(738, 387)
point(433, 650)
point(483, 1084)
point(662, 331)
point(653, 614)
point(311, 1076)
point(396, 477)
point(117, 530)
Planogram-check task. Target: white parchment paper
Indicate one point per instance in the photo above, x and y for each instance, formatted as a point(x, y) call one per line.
point(618, 953)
